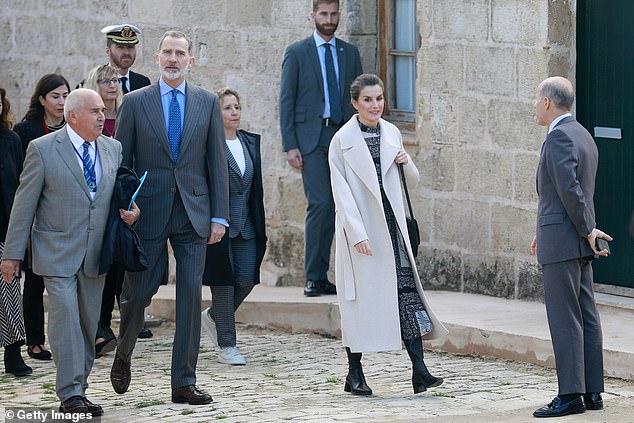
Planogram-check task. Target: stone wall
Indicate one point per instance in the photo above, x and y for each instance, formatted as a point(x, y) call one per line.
point(476, 144)
point(239, 43)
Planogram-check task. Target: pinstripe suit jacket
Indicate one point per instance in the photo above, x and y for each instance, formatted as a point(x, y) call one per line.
point(218, 267)
point(239, 195)
point(54, 205)
point(199, 174)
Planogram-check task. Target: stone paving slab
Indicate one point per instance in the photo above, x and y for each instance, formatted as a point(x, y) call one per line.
point(299, 377)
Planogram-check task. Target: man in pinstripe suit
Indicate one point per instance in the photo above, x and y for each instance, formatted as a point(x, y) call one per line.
point(173, 130)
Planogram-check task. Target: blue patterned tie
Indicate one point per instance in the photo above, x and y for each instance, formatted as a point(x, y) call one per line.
point(89, 169)
point(174, 125)
point(336, 111)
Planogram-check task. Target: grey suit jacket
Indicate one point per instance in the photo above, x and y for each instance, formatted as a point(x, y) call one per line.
point(54, 206)
point(565, 184)
point(200, 173)
point(302, 91)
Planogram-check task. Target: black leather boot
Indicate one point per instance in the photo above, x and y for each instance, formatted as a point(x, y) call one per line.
point(13, 362)
point(355, 380)
point(421, 378)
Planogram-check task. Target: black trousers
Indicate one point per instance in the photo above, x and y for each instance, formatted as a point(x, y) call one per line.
point(33, 305)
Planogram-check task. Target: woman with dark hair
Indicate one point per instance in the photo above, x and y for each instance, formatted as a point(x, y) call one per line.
point(233, 265)
point(45, 114)
point(381, 298)
point(12, 333)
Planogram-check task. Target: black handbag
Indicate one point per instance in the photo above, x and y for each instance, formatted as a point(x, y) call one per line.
point(412, 224)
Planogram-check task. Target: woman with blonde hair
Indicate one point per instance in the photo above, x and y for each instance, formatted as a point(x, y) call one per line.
point(104, 79)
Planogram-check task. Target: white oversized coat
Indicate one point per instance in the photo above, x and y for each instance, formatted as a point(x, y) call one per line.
point(366, 285)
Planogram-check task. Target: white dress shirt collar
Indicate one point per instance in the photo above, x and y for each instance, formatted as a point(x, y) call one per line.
point(557, 120)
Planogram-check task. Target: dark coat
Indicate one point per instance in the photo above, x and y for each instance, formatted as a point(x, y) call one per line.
point(11, 159)
point(28, 130)
point(138, 81)
point(120, 243)
point(218, 268)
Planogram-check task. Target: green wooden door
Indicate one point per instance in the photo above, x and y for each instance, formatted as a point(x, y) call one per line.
point(605, 104)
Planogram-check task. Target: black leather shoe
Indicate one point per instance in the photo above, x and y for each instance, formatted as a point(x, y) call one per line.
point(312, 289)
point(190, 394)
point(94, 409)
point(145, 333)
point(74, 404)
point(593, 401)
point(42, 354)
point(557, 409)
point(326, 287)
point(120, 375)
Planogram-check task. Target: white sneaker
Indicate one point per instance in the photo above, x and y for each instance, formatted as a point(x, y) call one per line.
point(210, 326)
point(231, 355)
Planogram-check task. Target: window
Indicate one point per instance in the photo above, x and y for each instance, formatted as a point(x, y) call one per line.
point(398, 43)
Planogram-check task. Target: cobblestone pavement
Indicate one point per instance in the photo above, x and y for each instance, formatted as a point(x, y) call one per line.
point(292, 377)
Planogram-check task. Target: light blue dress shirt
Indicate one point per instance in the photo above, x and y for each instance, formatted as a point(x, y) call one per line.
point(166, 99)
point(321, 52)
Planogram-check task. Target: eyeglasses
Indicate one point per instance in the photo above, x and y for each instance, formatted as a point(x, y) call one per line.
point(107, 82)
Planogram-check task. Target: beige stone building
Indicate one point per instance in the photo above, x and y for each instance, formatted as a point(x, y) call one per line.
point(460, 78)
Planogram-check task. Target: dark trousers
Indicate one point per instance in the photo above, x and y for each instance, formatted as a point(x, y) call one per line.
point(574, 325)
point(139, 287)
point(111, 291)
point(320, 214)
point(33, 305)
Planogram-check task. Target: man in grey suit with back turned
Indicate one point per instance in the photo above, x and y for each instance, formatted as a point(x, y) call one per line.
point(565, 246)
point(174, 131)
point(314, 103)
point(63, 203)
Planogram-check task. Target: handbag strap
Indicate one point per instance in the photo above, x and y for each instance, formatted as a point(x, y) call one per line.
point(409, 203)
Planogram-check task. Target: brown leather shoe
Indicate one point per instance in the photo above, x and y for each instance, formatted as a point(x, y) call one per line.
point(94, 409)
point(120, 374)
point(74, 404)
point(190, 394)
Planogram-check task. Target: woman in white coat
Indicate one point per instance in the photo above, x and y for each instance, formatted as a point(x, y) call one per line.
point(381, 298)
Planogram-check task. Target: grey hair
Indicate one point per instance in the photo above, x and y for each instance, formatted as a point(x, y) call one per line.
point(176, 34)
point(75, 100)
point(559, 90)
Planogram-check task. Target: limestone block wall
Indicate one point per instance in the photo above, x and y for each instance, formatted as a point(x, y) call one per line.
point(239, 43)
point(478, 146)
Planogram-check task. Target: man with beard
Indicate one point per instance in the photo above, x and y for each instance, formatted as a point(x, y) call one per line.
point(121, 41)
point(314, 103)
point(174, 131)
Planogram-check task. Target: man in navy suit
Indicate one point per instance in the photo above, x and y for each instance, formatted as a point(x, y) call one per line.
point(565, 246)
point(314, 103)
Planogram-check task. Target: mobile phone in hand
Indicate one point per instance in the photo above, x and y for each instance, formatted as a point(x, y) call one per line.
point(602, 244)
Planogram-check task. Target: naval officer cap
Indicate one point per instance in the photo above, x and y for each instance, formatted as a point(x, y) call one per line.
point(122, 34)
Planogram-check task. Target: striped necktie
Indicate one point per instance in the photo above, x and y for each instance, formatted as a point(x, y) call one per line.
point(89, 169)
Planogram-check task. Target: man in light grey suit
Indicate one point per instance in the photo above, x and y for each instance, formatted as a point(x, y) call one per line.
point(314, 103)
point(174, 131)
point(63, 203)
point(565, 246)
